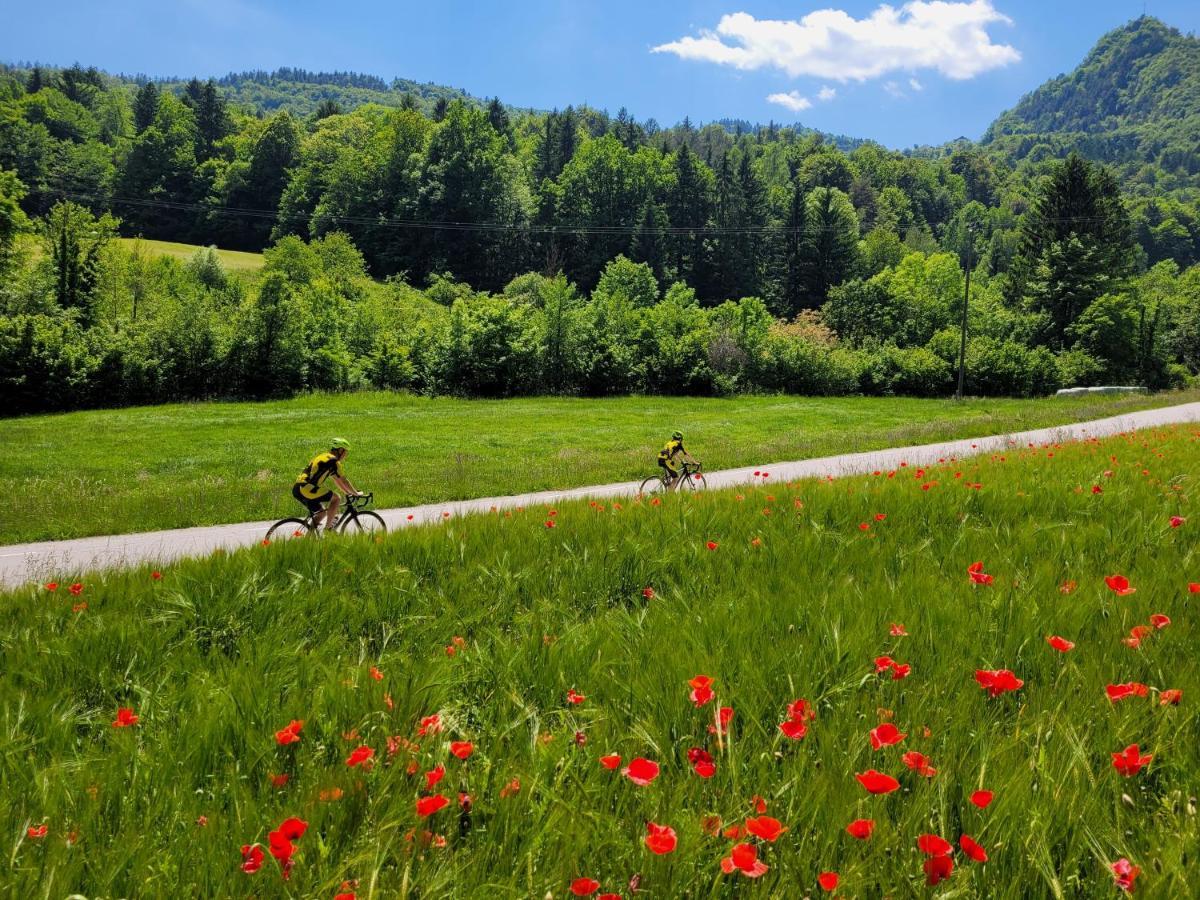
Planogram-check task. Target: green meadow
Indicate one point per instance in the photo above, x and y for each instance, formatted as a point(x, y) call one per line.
point(482, 630)
point(120, 470)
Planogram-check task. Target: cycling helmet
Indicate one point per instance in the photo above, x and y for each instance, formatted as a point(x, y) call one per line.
point(677, 436)
point(340, 444)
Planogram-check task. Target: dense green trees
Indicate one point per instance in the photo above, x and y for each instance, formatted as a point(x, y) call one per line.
point(405, 240)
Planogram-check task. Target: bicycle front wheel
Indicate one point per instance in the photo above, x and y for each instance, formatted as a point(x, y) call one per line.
point(289, 530)
point(696, 481)
point(652, 485)
point(364, 523)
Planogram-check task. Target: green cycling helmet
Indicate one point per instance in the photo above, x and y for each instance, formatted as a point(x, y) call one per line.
point(340, 444)
point(677, 436)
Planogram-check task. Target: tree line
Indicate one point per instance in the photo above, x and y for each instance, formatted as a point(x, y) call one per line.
point(853, 257)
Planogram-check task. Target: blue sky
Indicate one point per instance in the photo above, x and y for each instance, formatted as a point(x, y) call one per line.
point(930, 72)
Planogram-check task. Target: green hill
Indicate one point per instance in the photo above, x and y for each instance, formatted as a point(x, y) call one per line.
point(1134, 99)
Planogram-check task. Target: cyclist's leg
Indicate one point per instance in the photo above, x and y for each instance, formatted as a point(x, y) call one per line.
point(331, 511)
point(670, 473)
point(313, 506)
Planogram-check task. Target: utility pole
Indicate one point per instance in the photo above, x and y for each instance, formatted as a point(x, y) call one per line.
point(962, 347)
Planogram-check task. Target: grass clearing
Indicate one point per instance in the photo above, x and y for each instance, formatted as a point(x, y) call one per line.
point(232, 260)
point(796, 600)
point(116, 471)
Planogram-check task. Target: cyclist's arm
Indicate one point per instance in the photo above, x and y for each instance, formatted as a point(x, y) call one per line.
point(345, 485)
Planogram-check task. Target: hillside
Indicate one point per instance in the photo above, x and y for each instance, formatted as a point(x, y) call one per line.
point(1136, 97)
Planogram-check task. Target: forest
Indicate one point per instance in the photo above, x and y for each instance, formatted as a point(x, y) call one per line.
point(445, 244)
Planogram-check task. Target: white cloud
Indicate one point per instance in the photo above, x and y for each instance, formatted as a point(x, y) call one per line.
point(792, 100)
point(894, 90)
point(948, 37)
point(826, 94)
point(915, 85)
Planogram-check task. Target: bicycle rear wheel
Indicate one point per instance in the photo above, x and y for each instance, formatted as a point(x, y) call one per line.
point(289, 530)
point(364, 523)
point(652, 485)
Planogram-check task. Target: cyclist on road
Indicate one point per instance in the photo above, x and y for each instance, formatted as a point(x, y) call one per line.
point(308, 490)
point(667, 455)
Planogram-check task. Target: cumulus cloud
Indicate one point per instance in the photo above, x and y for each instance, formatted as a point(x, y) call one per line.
point(947, 37)
point(826, 94)
point(915, 85)
point(894, 90)
point(791, 100)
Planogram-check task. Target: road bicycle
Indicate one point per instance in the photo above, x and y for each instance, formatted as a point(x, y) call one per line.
point(353, 518)
point(689, 475)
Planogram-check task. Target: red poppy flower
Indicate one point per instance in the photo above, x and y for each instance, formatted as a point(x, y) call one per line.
point(51, 585)
point(345, 895)
point(1176, 521)
point(36, 832)
point(289, 734)
point(125, 718)
point(76, 589)
point(877, 782)
point(575, 698)
point(886, 735)
point(1119, 585)
point(919, 763)
point(861, 828)
point(744, 858)
point(897, 630)
point(1194, 587)
point(932, 845)
point(724, 717)
point(883, 663)
point(1136, 635)
point(879, 517)
point(584, 887)
point(766, 828)
point(1129, 689)
point(376, 674)
point(982, 798)
point(712, 545)
point(900, 671)
point(1130, 761)
point(611, 761)
point(972, 849)
point(359, 756)
point(1067, 587)
point(1169, 697)
point(794, 729)
point(1060, 644)
point(462, 749)
point(1096, 489)
point(252, 858)
point(660, 838)
point(828, 880)
point(610, 896)
point(702, 762)
point(1124, 874)
point(977, 575)
point(433, 776)
point(998, 681)
point(864, 526)
point(648, 593)
point(1159, 621)
point(800, 711)
point(427, 806)
point(641, 771)
point(430, 725)
point(513, 787)
point(938, 869)
point(281, 780)
point(702, 691)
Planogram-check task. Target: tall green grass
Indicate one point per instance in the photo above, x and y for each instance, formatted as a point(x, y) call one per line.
point(796, 600)
point(115, 471)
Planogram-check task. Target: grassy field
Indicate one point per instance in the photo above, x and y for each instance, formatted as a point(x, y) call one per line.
point(232, 260)
point(493, 624)
point(115, 471)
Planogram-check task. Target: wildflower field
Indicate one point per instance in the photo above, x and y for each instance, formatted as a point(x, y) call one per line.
point(973, 680)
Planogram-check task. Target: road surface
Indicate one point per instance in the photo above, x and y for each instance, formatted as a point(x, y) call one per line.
point(42, 561)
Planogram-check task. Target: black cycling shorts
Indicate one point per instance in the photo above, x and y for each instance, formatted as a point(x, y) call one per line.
point(314, 504)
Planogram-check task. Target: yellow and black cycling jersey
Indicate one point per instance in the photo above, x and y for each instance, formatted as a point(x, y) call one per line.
point(322, 466)
point(672, 449)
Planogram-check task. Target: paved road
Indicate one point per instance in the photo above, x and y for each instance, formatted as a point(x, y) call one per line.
point(21, 563)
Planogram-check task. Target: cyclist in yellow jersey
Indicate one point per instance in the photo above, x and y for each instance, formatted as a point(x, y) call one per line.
point(308, 490)
point(666, 457)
